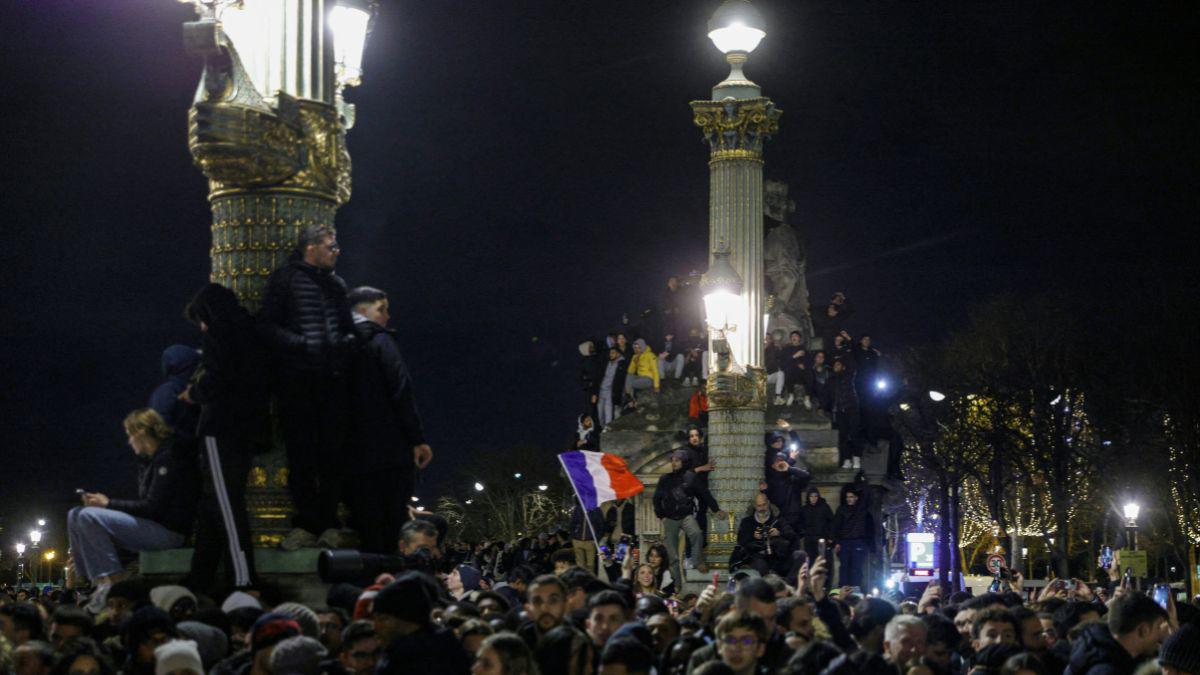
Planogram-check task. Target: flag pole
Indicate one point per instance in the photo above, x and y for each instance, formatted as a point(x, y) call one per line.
point(584, 510)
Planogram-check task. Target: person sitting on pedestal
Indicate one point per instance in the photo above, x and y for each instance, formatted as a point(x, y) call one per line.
point(764, 539)
point(160, 517)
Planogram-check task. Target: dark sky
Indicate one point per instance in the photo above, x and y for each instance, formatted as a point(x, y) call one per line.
point(531, 169)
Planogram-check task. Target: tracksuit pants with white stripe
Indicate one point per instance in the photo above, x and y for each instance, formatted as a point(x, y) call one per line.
point(223, 526)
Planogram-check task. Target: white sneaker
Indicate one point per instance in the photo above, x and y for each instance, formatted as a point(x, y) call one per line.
point(846, 464)
point(807, 403)
point(687, 563)
point(790, 399)
point(858, 462)
point(778, 400)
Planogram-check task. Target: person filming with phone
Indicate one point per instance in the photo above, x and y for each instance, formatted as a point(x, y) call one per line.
point(159, 518)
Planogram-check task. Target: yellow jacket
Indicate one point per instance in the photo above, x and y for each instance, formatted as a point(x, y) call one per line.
point(645, 365)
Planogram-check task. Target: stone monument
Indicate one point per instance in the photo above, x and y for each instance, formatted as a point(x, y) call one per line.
point(785, 262)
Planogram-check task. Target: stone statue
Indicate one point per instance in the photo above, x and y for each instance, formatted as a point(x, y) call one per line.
point(785, 262)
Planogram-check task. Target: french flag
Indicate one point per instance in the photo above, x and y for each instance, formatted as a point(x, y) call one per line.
point(599, 477)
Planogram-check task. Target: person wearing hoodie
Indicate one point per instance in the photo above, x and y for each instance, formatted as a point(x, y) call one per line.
point(231, 388)
point(159, 518)
point(412, 645)
point(586, 436)
point(853, 536)
point(178, 364)
point(305, 321)
point(817, 519)
point(612, 387)
point(785, 490)
point(643, 369)
point(585, 535)
point(764, 539)
point(591, 371)
point(1133, 633)
point(675, 499)
point(386, 444)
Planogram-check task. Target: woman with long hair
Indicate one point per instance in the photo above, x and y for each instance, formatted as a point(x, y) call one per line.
point(658, 561)
point(644, 581)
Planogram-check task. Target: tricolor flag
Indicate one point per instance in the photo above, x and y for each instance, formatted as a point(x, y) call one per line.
point(599, 477)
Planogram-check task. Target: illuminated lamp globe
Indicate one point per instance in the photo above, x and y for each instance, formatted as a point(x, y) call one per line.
point(736, 26)
point(936, 396)
point(1131, 512)
point(722, 289)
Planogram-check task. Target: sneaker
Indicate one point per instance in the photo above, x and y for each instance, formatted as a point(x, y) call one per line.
point(807, 403)
point(778, 400)
point(790, 399)
point(297, 539)
point(857, 462)
point(99, 599)
point(847, 464)
point(687, 564)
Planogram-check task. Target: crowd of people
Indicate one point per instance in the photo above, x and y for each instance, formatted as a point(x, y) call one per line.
point(529, 609)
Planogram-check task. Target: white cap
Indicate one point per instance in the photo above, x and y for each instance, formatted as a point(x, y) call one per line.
point(177, 656)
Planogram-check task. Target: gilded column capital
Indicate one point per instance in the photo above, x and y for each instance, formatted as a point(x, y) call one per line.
point(736, 129)
point(729, 390)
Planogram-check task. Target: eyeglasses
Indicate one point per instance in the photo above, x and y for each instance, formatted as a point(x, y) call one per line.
point(747, 641)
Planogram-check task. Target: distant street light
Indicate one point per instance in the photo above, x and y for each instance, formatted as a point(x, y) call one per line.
point(41, 522)
point(35, 537)
point(20, 550)
point(1132, 509)
point(936, 396)
point(543, 487)
point(517, 474)
point(49, 555)
point(470, 501)
point(415, 498)
point(479, 487)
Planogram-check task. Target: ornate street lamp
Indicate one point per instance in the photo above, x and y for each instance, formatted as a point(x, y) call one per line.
point(736, 123)
point(267, 127)
point(936, 396)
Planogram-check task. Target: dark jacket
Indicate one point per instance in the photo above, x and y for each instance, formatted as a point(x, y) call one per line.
point(773, 358)
point(425, 653)
point(168, 488)
point(1096, 652)
point(580, 530)
point(591, 371)
point(785, 489)
point(817, 518)
point(620, 372)
point(231, 385)
point(779, 545)
point(845, 398)
point(854, 522)
point(385, 422)
point(178, 364)
point(677, 492)
point(628, 515)
point(305, 319)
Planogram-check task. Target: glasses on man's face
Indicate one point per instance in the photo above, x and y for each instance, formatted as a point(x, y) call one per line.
point(744, 641)
point(333, 246)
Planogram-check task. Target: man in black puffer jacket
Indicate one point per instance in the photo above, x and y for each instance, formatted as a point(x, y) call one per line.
point(305, 321)
point(675, 500)
point(386, 441)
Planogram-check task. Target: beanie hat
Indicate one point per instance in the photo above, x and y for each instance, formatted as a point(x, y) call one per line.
point(176, 656)
point(270, 629)
point(165, 597)
point(680, 454)
point(239, 599)
point(300, 655)
point(407, 598)
point(1182, 649)
point(310, 625)
point(211, 642)
point(470, 577)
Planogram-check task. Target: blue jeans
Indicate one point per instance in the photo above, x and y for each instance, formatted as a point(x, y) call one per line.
point(95, 534)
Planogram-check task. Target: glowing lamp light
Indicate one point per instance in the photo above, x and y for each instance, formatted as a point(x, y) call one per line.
point(881, 384)
point(35, 536)
point(736, 26)
point(722, 289)
point(420, 508)
point(41, 522)
point(470, 501)
point(1131, 512)
point(517, 475)
point(20, 549)
point(1056, 400)
point(479, 487)
point(543, 487)
point(936, 396)
point(349, 22)
point(49, 555)
point(794, 446)
point(415, 498)
point(890, 584)
point(905, 406)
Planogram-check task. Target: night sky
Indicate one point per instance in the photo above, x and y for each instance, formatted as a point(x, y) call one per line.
point(531, 169)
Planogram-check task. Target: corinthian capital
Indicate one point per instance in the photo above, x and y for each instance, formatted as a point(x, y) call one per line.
point(736, 129)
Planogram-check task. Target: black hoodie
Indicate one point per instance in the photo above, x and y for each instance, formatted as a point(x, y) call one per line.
point(853, 522)
point(817, 518)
